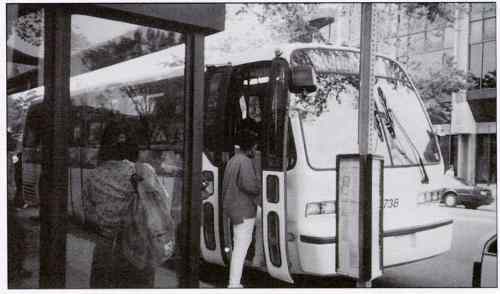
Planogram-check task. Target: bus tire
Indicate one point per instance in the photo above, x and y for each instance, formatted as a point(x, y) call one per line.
point(450, 199)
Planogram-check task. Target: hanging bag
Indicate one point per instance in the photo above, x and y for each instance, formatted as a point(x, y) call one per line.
point(148, 236)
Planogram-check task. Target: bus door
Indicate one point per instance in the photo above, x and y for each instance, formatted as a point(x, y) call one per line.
point(274, 167)
point(217, 81)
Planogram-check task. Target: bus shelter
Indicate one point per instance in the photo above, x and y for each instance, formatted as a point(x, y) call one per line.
point(76, 66)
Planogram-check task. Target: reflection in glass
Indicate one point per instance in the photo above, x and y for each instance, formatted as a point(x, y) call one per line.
point(130, 77)
point(93, 49)
point(26, 119)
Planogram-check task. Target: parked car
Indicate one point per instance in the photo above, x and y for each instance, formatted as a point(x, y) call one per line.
point(458, 192)
point(484, 269)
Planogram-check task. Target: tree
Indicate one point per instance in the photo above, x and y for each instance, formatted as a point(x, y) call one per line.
point(290, 20)
point(437, 85)
point(29, 28)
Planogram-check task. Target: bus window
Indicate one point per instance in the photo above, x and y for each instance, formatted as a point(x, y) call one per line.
point(276, 107)
point(214, 128)
point(402, 129)
point(254, 110)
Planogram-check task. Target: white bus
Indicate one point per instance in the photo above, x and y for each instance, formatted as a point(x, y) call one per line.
point(302, 126)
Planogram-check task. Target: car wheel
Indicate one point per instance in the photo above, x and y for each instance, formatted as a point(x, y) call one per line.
point(471, 206)
point(450, 200)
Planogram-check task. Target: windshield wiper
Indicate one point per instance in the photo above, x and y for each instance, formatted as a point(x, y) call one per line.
point(389, 124)
point(381, 130)
point(390, 118)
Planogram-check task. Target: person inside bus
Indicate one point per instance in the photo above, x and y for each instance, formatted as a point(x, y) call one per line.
point(107, 194)
point(241, 194)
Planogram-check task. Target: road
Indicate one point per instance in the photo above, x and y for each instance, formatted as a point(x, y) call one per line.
point(452, 269)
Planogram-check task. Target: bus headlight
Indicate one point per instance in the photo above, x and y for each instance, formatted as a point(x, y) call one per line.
point(323, 207)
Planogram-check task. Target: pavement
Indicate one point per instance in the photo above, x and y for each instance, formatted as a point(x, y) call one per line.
point(79, 248)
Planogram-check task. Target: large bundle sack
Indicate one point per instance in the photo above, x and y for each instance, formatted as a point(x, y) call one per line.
point(106, 196)
point(148, 237)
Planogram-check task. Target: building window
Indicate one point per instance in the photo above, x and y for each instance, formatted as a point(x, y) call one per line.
point(486, 157)
point(482, 45)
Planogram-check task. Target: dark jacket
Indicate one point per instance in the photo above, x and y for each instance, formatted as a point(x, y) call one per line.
point(240, 188)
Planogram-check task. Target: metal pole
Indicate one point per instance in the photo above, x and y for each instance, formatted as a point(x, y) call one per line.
point(188, 270)
point(365, 125)
point(54, 176)
point(367, 80)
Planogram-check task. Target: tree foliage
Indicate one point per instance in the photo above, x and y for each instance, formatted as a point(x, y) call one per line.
point(288, 20)
point(433, 11)
point(138, 42)
point(436, 86)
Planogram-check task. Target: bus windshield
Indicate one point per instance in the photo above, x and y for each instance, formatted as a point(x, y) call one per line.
point(402, 132)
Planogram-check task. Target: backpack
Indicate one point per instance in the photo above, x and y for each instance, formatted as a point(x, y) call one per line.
point(148, 236)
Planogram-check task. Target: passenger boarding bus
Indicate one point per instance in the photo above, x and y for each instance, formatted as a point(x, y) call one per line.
point(302, 100)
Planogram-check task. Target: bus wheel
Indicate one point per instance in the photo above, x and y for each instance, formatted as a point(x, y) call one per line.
point(450, 200)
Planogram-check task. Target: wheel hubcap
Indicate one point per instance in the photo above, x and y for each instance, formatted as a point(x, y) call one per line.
point(450, 200)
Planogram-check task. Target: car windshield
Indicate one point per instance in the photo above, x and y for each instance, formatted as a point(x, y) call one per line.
point(402, 132)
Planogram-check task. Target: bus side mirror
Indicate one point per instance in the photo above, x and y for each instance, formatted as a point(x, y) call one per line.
point(302, 79)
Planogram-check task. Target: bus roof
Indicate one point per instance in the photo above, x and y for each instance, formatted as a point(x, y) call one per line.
point(166, 64)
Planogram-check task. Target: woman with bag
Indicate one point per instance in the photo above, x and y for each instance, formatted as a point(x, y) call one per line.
point(109, 194)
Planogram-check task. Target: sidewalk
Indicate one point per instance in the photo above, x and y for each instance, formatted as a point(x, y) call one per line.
point(79, 249)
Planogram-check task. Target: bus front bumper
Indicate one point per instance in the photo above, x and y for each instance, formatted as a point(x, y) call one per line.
point(401, 246)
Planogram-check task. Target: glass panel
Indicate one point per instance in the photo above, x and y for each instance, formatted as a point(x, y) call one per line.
point(489, 65)
point(476, 10)
point(118, 42)
point(490, 31)
point(493, 158)
point(417, 24)
point(449, 37)
point(482, 159)
point(476, 31)
point(445, 145)
point(475, 62)
point(435, 40)
point(26, 118)
point(454, 153)
point(489, 9)
point(129, 105)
